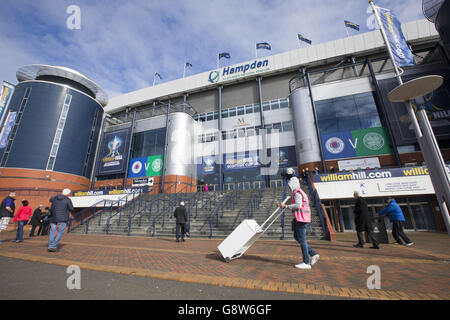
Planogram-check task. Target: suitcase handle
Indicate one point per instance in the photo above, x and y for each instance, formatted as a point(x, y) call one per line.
point(270, 217)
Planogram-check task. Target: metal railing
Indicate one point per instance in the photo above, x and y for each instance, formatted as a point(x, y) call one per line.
point(318, 204)
point(229, 201)
point(253, 203)
point(120, 209)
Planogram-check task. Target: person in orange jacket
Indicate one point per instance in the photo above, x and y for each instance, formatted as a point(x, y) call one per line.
point(22, 217)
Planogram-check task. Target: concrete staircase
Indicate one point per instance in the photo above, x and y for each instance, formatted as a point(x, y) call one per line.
point(230, 207)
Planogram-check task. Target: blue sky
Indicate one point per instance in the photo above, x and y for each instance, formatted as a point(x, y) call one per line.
point(121, 44)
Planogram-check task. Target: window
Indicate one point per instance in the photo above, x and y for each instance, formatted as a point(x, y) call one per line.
point(224, 135)
point(287, 126)
point(224, 113)
point(274, 104)
point(195, 117)
point(216, 115)
point(241, 133)
point(232, 112)
point(210, 116)
point(202, 117)
point(277, 126)
point(240, 111)
point(347, 113)
point(256, 107)
point(266, 106)
point(248, 109)
point(250, 132)
point(284, 103)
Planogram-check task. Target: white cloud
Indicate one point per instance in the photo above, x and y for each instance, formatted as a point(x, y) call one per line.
point(122, 44)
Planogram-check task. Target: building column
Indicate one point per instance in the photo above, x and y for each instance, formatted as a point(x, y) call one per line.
point(220, 138)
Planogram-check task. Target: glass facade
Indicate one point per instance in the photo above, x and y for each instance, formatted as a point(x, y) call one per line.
point(417, 211)
point(148, 143)
point(347, 113)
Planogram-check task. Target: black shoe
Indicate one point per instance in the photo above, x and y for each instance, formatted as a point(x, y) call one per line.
point(51, 249)
point(182, 240)
point(358, 246)
point(374, 247)
point(178, 240)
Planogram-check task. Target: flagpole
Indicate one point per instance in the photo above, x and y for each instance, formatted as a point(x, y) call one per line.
point(184, 71)
point(256, 52)
point(346, 30)
point(154, 79)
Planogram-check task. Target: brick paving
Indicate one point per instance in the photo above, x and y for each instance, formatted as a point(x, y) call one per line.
point(417, 272)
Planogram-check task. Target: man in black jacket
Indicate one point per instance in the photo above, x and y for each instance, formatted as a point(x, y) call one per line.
point(181, 218)
point(36, 220)
point(7, 208)
point(363, 223)
point(60, 213)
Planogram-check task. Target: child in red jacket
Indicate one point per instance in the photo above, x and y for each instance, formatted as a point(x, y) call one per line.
point(22, 217)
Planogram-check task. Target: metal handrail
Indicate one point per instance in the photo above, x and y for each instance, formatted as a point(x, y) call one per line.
point(140, 211)
point(163, 213)
point(220, 206)
point(317, 203)
point(119, 210)
point(95, 205)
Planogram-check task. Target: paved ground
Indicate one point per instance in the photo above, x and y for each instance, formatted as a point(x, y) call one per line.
point(418, 272)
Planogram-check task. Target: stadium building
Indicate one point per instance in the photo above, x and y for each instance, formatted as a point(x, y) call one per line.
point(237, 127)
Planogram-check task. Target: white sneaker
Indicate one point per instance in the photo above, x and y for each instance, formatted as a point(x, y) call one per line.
point(409, 244)
point(314, 259)
point(303, 266)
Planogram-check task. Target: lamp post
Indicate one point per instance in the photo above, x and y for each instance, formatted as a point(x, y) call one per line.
point(413, 92)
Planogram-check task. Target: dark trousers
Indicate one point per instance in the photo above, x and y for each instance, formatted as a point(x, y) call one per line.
point(180, 230)
point(369, 235)
point(397, 232)
point(45, 227)
point(33, 227)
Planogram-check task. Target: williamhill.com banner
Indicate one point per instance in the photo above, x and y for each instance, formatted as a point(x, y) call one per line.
point(372, 174)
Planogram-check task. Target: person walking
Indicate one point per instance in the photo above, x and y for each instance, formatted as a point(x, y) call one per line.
point(45, 221)
point(36, 220)
point(60, 213)
point(22, 216)
point(363, 223)
point(397, 219)
point(302, 216)
point(181, 218)
point(7, 208)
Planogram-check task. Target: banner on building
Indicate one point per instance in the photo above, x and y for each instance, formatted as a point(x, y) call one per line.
point(437, 105)
point(114, 152)
point(5, 97)
point(247, 160)
point(375, 183)
point(355, 143)
point(149, 166)
point(6, 129)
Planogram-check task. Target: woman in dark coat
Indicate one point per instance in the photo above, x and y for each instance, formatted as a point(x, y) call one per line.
point(362, 222)
point(36, 221)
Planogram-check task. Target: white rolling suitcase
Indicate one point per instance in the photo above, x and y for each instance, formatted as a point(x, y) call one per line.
point(245, 235)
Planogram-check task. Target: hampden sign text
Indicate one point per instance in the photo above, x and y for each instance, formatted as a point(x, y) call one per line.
point(234, 72)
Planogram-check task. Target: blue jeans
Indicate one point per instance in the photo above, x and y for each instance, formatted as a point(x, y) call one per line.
point(56, 233)
point(19, 234)
point(300, 236)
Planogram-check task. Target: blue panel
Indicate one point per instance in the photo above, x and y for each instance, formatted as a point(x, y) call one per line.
point(337, 145)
